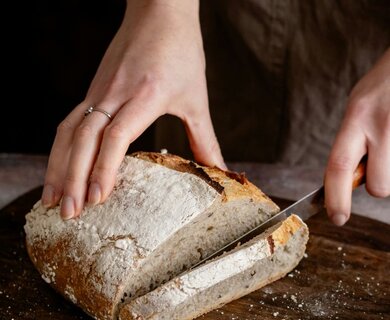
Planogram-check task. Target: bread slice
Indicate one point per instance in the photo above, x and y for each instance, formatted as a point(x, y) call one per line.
point(249, 267)
point(164, 215)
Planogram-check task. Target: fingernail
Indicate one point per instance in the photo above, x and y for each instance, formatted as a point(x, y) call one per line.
point(221, 165)
point(94, 193)
point(47, 196)
point(224, 166)
point(339, 219)
point(67, 208)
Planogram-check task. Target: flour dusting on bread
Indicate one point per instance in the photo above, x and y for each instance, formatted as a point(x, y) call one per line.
point(164, 215)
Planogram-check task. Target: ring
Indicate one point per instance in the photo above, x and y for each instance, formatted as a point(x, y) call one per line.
point(92, 109)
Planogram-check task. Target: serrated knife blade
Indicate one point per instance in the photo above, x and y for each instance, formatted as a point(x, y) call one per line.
point(305, 208)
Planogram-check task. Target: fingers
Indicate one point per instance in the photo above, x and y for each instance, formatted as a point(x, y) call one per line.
point(85, 146)
point(349, 148)
point(131, 120)
point(89, 150)
point(378, 166)
point(203, 141)
point(59, 157)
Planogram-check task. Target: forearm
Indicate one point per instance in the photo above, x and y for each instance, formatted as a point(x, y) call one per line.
point(185, 10)
point(164, 21)
point(184, 6)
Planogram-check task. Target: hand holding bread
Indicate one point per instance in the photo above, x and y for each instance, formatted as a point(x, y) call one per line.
point(155, 65)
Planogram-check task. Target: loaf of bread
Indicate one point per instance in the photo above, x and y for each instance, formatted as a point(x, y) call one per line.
point(164, 215)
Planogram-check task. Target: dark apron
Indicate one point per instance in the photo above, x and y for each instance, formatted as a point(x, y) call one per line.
point(279, 74)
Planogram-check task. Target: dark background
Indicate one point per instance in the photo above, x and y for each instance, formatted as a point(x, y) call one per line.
point(52, 50)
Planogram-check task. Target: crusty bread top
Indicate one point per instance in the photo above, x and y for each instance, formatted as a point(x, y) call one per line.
point(231, 185)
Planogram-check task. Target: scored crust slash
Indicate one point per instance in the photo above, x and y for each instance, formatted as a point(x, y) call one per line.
point(125, 258)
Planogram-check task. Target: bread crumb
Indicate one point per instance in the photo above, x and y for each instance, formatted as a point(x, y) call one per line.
point(275, 314)
point(268, 290)
point(47, 279)
point(339, 248)
point(305, 255)
point(163, 151)
point(122, 243)
point(69, 292)
point(294, 298)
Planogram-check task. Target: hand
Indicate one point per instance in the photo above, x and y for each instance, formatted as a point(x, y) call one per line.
point(154, 65)
point(365, 129)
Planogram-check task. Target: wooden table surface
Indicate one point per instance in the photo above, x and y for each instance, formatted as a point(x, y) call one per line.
point(345, 275)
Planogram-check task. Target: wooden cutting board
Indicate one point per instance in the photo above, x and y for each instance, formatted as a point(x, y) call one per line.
point(345, 275)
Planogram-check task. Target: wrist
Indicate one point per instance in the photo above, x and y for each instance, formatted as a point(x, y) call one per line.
point(167, 19)
point(188, 8)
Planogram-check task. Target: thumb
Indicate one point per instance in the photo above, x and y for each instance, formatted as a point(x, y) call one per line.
point(203, 141)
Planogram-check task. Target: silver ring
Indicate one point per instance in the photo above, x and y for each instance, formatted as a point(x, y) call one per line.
point(92, 109)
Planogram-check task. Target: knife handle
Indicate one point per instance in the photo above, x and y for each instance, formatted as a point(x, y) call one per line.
point(359, 176)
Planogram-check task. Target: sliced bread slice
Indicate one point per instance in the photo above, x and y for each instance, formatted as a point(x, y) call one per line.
point(262, 260)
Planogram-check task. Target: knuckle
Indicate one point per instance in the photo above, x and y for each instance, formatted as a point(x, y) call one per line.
point(71, 178)
point(116, 131)
point(84, 131)
point(65, 127)
point(52, 178)
point(359, 110)
point(101, 170)
point(360, 105)
point(151, 81)
point(150, 85)
point(340, 163)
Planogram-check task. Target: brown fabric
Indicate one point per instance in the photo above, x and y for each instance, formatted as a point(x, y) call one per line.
point(280, 72)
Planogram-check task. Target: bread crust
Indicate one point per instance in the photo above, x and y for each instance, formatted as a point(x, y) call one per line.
point(231, 185)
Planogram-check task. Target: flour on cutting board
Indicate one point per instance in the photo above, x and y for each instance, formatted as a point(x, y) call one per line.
point(281, 304)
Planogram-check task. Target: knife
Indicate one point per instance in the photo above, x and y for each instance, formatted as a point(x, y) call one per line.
point(305, 207)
